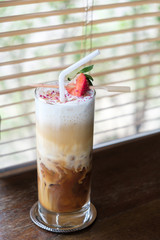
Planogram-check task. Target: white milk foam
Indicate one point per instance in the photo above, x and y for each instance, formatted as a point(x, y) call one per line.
point(74, 110)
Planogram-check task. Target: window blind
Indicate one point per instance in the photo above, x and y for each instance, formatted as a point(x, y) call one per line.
point(38, 39)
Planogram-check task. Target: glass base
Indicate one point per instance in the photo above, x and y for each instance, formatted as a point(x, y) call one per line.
point(65, 219)
point(68, 222)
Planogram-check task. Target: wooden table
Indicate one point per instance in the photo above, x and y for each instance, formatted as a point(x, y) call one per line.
point(125, 191)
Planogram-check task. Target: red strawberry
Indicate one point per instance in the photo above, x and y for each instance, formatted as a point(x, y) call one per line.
point(80, 88)
point(81, 85)
point(71, 88)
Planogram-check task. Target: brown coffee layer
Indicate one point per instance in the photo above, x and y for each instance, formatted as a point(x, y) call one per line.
point(65, 190)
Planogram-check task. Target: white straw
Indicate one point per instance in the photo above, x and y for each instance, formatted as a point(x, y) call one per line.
point(71, 69)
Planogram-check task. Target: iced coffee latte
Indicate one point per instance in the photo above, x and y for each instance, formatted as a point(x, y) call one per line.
point(64, 148)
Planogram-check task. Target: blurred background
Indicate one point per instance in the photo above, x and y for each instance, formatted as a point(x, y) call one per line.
point(38, 39)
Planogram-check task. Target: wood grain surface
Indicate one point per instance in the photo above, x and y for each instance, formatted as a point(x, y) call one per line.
point(125, 191)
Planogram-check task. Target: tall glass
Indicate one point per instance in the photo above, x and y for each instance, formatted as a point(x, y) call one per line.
point(64, 134)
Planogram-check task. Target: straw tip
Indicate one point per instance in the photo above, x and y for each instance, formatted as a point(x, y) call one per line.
point(97, 51)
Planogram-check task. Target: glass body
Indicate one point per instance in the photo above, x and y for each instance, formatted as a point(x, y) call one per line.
point(64, 134)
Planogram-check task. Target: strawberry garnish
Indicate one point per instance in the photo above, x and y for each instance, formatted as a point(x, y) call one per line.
point(81, 85)
point(83, 81)
point(71, 88)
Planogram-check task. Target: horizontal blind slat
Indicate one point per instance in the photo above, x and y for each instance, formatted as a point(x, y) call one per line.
point(16, 103)
point(40, 15)
point(125, 115)
point(61, 54)
point(128, 125)
point(18, 89)
point(38, 44)
point(41, 29)
point(31, 73)
point(128, 103)
point(17, 116)
point(132, 55)
point(125, 4)
point(127, 68)
point(24, 2)
point(72, 10)
point(73, 39)
point(76, 24)
point(114, 5)
point(17, 152)
point(132, 79)
point(80, 51)
point(129, 43)
point(18, 127)
point(42, 71)
point(16, 140)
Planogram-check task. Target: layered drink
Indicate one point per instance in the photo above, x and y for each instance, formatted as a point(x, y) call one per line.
point(64, 155)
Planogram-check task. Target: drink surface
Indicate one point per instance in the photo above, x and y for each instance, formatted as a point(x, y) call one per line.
point(52, 96)
point(64, 146)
